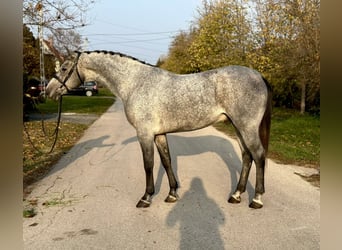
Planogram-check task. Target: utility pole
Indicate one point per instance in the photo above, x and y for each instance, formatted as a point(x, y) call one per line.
point(85, 44)
point(39, 8)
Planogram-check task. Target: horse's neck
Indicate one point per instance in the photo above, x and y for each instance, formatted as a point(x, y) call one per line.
point(116, 72)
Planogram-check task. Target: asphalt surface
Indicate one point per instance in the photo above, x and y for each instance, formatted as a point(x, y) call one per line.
point(88, 200)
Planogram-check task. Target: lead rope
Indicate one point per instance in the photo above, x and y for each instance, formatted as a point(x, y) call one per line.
point(55, 133)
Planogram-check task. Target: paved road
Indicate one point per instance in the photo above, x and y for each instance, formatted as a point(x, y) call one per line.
point(88, 200)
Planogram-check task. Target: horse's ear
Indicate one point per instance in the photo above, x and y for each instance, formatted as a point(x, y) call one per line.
point(72, 56)
point(77, 54)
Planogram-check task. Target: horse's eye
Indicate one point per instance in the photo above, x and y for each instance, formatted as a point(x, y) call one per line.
point(64, 69)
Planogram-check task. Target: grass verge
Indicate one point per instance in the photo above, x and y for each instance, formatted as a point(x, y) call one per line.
point(294, 139)
point(37, 164)
point(78, 104)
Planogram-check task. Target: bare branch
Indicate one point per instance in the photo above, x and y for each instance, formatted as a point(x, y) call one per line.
point(58, 15)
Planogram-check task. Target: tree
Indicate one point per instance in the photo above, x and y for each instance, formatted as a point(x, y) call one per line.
point(30, 53)
point(288, 32)
point(279, 38)
point(31, 57)
point(222, 36)
point(66, 41)
point(219, 36)
point(60, 20)
point(306, 25)
point(178, 59)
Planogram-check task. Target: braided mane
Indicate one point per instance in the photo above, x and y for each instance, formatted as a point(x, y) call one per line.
point(115, 53)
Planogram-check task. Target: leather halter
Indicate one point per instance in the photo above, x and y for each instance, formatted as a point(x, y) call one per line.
point(63, 83)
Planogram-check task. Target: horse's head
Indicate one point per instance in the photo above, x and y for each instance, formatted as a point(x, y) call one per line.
point(65, 79)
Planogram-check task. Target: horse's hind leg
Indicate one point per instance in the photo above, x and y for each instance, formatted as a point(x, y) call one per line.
point(252, 149)
point(147, 148)
point(259, 186)
point(241, 187)
point(259, 155)
point(163, 148)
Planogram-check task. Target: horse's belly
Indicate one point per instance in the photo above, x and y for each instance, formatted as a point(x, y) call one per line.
point(187, 123)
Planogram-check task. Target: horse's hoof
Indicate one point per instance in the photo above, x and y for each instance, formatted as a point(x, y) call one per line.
point(256, 204)
point(234, 200)
point(171, 198)
point(143, 204)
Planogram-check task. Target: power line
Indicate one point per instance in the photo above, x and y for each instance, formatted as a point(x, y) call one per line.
point(138, 41)
point(125, 41)
point(120, 25)
point(131, 39)
point(134, 34)
point(129, 46)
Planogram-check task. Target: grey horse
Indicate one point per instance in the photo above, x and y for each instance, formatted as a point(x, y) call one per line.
point(158, 102)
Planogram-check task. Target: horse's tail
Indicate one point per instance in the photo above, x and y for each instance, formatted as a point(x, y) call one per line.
point(265, 125)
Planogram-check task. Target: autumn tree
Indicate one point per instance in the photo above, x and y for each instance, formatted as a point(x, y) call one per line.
point(279, 38)
point(288, 51)
point(306, 49)
point(222, 35)
point(60, 21)
point(30, 53)
point(31, 57)
point(178, 59)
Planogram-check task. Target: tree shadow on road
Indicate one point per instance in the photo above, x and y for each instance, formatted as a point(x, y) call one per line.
point(199, 218)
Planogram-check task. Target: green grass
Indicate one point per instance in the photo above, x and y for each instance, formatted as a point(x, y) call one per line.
point(105, 92)
point(29, 212)
point(294, 139)
point(78, 104)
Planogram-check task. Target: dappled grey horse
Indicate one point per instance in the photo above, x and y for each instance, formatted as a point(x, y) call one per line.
point(157, 102)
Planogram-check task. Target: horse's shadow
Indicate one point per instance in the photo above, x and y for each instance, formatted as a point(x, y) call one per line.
point(198, 145)
point(79, 150)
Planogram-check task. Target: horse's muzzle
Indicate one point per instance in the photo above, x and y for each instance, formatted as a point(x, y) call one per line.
point(54, 89)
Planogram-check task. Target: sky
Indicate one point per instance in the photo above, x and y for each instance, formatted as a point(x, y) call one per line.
point(140, 28)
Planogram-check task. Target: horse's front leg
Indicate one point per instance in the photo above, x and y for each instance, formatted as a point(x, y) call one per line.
point(148, 157)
